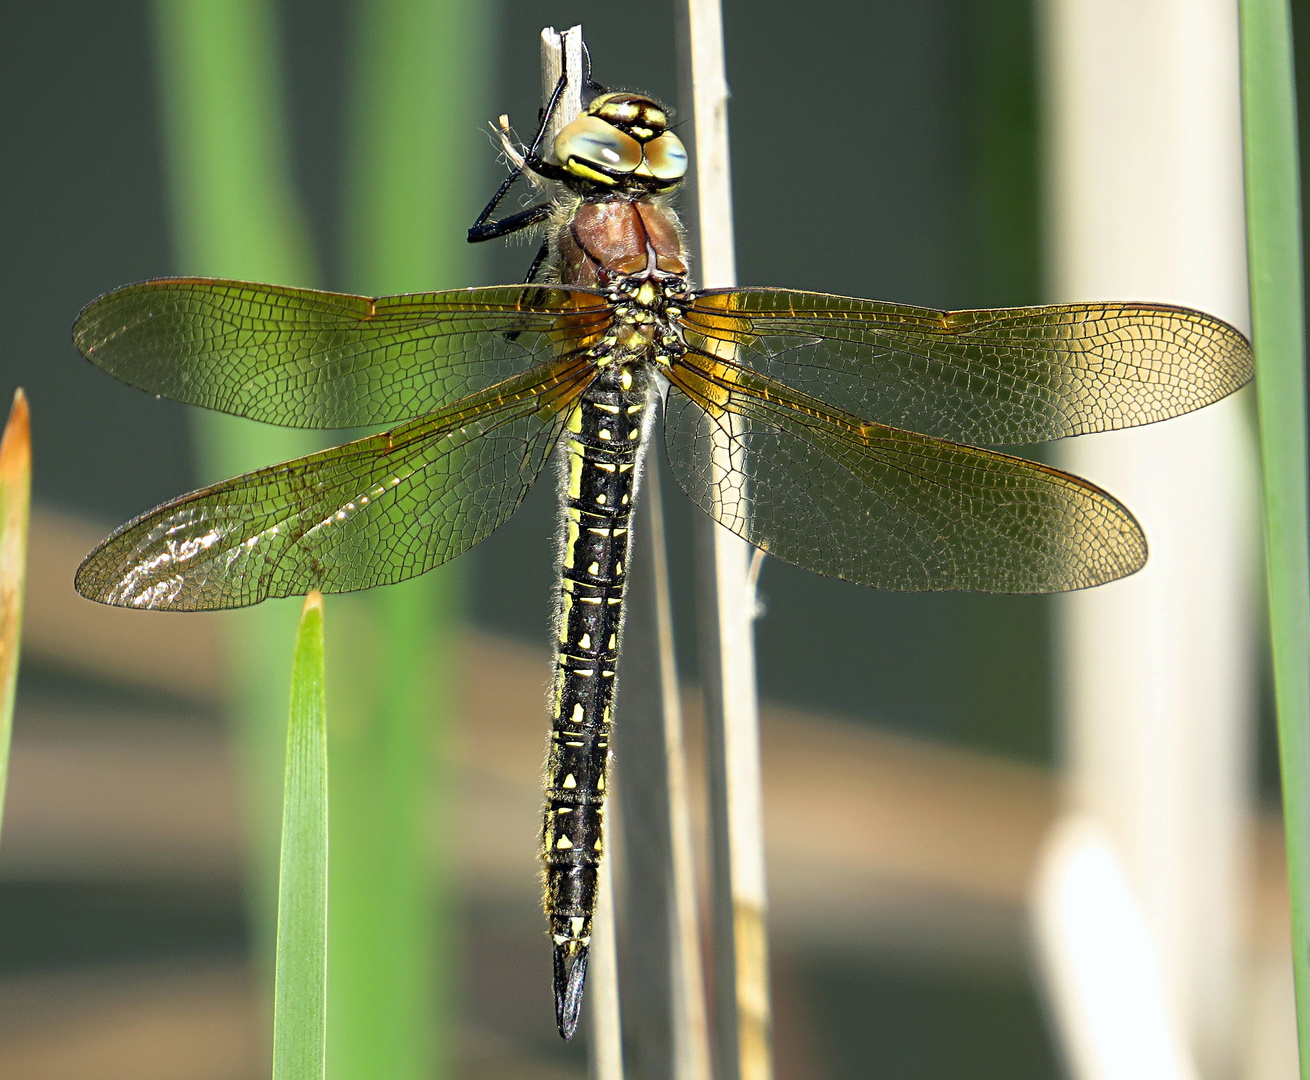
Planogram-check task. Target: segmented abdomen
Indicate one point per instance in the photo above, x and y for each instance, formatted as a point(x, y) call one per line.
point(602, 446)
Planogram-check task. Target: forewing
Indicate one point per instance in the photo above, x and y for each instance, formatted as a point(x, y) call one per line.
point(371, 512)
point(881, 506)
point(302, 358)
point(1005, 375)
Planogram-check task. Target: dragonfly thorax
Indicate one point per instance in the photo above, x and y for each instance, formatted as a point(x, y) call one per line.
point(605, 241)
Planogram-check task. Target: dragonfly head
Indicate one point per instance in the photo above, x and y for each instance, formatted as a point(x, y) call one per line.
point(622, 142)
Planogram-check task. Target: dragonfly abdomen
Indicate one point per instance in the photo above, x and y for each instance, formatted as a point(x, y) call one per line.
point(602, 447)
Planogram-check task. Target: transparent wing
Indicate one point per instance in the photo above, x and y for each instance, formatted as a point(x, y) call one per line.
point(371, 512)
point(302, 358)
point(880, 506)
point(1008, 375)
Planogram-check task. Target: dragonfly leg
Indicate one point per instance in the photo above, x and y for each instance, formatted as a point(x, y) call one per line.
point(491, 230)
point(537, 260)
point(486, 229)
point(539, 296)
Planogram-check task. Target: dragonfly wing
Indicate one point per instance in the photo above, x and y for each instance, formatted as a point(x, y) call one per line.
point(371, 512)
point(880, 506)
point(302, 358)
point(1007, 375)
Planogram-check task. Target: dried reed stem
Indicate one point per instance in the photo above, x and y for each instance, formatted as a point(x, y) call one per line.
point(728, 649)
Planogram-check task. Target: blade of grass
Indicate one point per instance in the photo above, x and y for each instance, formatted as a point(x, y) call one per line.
point(300, 995)
point(742, 1031)
point(15, 500)
point(413, 131)
point(1278, 335)
point(236, 214)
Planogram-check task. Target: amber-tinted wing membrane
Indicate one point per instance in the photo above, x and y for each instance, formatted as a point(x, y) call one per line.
point(1007, 375)
point(372, 512)
point(302, 358)
point(881, 506)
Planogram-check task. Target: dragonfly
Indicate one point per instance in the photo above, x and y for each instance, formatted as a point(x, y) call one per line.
point(849, 437)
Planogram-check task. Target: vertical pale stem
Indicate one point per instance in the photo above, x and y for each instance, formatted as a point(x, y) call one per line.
point(736, 800)
point(1156, 672)
point(664, 995)
point(558, 52)
point(691, 1051)
point(605, 1027)
point(1278, 331)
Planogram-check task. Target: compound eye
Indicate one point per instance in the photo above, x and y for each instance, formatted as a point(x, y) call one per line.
point(666, 157)
point(591, 141)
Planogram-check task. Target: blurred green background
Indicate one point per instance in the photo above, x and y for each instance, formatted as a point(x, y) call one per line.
point(880, 149)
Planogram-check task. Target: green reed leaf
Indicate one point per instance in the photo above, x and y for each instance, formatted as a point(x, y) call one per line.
point(1273, 219)
point(300, 1004)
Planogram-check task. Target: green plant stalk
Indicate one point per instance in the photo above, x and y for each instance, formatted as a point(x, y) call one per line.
point(15, 502)
point(413, 134)
point(236, 215)
point(1277, 323)
point(300, 999)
